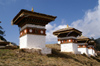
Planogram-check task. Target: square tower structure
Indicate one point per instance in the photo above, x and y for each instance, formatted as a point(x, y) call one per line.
point(82, 42)
point(67, 39)
point(91, 47)
point(32, 28)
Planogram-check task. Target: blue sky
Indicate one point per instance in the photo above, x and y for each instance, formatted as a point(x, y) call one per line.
point(76, 13)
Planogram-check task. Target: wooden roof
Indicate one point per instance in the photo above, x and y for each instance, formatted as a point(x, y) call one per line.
point(80, 38)
point(66, 30)
point(25, 14)
point(3, 42)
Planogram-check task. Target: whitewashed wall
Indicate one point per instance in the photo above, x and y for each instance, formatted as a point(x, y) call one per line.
point(32, 41)
point(23, 41)
point(91, 52)
point(69, 47)
point(94, 53)
point(35, 41)
point(83, 50)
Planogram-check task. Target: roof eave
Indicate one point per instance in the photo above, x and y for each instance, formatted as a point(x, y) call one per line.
point(26, 12)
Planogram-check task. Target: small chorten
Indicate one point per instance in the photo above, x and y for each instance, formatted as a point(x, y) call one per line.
point(67, 39)
point(82, 42)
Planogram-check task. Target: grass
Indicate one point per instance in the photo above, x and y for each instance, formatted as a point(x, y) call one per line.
point(17, 57)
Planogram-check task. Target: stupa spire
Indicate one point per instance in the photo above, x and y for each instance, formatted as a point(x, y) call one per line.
point(32, 9)
point(67, 26)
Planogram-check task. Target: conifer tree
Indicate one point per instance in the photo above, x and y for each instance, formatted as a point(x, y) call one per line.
point(2, 33)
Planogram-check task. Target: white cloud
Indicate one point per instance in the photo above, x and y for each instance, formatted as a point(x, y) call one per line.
point(89, 25)
point(50, 29)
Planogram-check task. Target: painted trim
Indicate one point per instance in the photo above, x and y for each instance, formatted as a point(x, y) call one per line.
point(82, 46)
point(63, 41)
point(32, 26)
point(34, 31)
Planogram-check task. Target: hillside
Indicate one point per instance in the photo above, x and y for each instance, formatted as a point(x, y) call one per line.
point(19, 58)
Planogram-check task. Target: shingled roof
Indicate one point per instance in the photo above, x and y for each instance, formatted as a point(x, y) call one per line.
point(82, 37)
point(25, 13)
point(1, 41)
point(65, 30)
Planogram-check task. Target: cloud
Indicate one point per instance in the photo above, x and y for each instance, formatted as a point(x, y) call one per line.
point(89, 25)
point(50, 38)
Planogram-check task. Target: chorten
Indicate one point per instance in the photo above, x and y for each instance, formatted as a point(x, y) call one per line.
point(32, 32)
point(82, 42)
point(91, 46)
point(67, 39)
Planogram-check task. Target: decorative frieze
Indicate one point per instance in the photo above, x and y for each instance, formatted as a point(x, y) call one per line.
point(82, 46)
point(29, 30)
point(62, 41)
point(90, 47)
point(85, 46)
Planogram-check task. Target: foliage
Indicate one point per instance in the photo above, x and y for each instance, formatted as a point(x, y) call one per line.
point(97, 44)
point(2, 33)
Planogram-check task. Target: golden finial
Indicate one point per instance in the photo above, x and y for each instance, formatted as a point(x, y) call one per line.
point(67, 26)
point(32, 9)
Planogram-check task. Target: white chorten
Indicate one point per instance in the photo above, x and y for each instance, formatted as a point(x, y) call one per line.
point(33, 32)
point(91, 49)
point(82, 42)
point(67, 39)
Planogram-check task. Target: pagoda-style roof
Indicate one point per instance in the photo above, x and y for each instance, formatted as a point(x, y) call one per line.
point(30, 17)
point(66, 30)
point(91, 42)
point(3, 42)
point(82, 38)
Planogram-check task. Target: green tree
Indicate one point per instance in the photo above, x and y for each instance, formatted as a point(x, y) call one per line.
point(97, 44)
point(2, 34)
